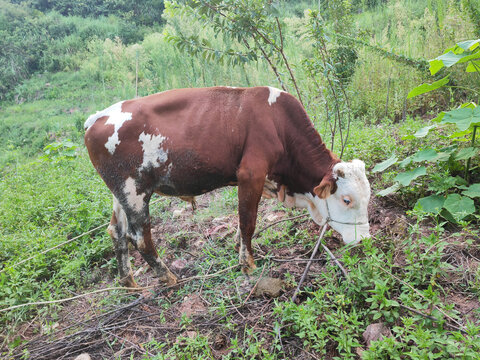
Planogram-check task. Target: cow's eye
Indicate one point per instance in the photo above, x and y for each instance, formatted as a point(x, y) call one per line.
point(347, 201)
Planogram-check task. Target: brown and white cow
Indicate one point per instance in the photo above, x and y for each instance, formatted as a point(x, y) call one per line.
point(187, 142)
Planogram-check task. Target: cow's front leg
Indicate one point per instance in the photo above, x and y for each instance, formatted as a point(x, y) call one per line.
point(250, 187)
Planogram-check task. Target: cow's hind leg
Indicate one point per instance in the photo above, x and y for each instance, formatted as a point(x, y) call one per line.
point(139, 234)
point(118, 232)
point(251, 178)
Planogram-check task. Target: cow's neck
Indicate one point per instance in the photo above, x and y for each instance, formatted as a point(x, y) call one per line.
point(307, 159)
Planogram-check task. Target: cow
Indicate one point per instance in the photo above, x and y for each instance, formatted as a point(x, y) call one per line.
point(186, 142)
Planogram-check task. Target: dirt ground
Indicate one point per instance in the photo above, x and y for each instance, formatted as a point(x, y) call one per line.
point(118, 326)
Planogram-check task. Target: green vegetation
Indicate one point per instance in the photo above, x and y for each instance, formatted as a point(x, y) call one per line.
point(353, 64)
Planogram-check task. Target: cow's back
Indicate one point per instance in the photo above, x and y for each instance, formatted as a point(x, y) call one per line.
point(180, 142)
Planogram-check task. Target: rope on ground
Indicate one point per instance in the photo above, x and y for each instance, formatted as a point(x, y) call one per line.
point(54, 247)
point(180, 282)
point(61, 244)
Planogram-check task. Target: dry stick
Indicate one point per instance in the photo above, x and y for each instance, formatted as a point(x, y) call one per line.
point(296, 260)
point(276, 222)
point(302, 279)
point(253, 289)
point(345, 273)
point(180, 282)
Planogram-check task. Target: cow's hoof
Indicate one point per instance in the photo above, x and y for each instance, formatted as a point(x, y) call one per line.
point(129, 282)
point(168, 278)
point(248, 265)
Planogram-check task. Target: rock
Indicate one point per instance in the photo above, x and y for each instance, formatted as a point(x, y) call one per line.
point(376, 332)
point(219, 342)
point(178, 212)
point(192, 305)
point(178, 265)
point(270, 287)
point(83, 356)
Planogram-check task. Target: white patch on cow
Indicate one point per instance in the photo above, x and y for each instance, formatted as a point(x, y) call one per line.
point(139, 241)
point(231, 87)
point(113, 110)
point(116, 117)
point(274, 94)
point(120, 216)
point(153, 154)
point(135, 200)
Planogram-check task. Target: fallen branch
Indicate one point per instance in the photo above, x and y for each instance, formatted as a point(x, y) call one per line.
point(277, 222)
point(256, 284)
point(302, 279)
point(180, 282)
point(345, 273)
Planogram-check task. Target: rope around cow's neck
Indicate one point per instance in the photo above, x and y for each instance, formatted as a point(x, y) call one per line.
point(329, 218)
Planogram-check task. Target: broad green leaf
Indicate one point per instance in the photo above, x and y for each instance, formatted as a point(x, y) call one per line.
point(435, 66)
point(463, 118)
point(424, 155)
point(450, 58)
point(385, 164)
point(473, 66)
point(424, 88)
point(469, 57)
point(466, 153)
point(430, 204)
point(389, 190)
point(406, 177)
point(405, 161)
point(469, 105)
point(473, 191)
point(460, 134)
point(439, 117)
point(469, 44)
point(424, 131)
point(459, 206)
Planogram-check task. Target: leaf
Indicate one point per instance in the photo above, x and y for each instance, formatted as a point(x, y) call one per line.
point(424, 131)
point(407, 177)
point(463, 118)
point(405, 161)
point(469, 44)
point(439, 117)
point(473, 191)
point(389, 190)
point(466, 153)
point(473, 66)
point(435, 66)
point(450, 58)
point(459, 206)
point(431, 204)
point(385, 164)
point(424, 155)
point(424, 88)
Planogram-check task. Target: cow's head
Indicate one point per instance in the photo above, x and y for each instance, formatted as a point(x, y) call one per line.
point(342, 199)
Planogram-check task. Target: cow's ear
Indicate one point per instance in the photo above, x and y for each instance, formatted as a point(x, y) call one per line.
point(327, 187)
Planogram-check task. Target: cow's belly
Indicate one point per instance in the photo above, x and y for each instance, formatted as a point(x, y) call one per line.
point(189, 174)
